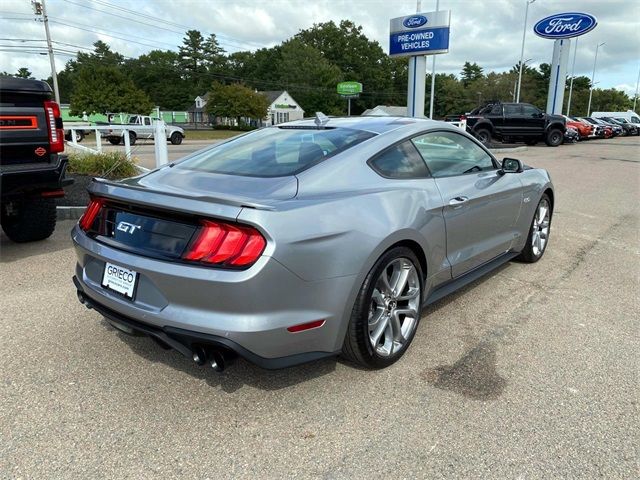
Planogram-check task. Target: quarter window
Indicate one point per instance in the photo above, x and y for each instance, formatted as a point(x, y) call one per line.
point(530, 110)
point(400, 161)
point(510, 110)
point(449, 153)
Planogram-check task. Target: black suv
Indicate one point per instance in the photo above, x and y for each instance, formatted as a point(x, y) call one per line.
point(32, 167)
point(513, 122)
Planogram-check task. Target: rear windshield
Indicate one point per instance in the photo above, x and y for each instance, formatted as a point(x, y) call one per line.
point(275, 152)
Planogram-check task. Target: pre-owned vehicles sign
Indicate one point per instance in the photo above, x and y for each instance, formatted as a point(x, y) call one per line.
point(420, 34)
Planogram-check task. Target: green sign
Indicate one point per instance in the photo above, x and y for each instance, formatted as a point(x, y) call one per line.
point(349, 88)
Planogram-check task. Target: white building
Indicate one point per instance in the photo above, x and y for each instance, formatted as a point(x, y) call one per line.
point(282, 108)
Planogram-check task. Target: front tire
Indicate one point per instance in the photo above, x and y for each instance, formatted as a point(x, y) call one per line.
point(539, 231)
point(554, 137)
point(114, 140)
point(484, 136)
point(31, 219)
point(132, 138)
point(176, 138)
point(387, 311)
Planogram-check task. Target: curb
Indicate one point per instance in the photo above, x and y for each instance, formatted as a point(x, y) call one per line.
point(69, 213)
point(509, 150)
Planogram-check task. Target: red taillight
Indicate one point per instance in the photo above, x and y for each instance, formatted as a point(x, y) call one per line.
point(54, 124)
point(225, 244)
point(91, 213)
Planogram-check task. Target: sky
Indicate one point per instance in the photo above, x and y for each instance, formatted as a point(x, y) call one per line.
point(488, 32)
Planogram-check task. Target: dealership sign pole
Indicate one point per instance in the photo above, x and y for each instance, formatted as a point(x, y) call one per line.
point(561, 27)
point(416, 36)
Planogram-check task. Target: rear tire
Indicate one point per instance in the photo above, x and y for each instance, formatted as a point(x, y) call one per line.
point(132, 138)
point(384, 319)
point(34, 219)
point(176, 138)
point(483, 135)
point(114, 140)
point(554, 137)
point(539, 231)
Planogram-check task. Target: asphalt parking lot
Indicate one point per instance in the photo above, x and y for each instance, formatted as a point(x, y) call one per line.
point(531, 372)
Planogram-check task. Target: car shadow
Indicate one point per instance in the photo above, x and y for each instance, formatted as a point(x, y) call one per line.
point(238, 374)
point(11, 251)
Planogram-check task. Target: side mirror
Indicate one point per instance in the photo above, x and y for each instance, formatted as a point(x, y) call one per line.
point(511, 165)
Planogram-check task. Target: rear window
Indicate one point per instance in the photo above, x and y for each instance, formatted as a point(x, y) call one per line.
point(275, 152)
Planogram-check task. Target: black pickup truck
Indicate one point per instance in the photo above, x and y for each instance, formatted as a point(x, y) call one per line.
point(515, 122)
point(32, 167)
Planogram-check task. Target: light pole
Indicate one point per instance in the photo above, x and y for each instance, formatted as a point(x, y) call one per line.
point(524, 33)
point(433, 74)
point(593, 77)
point(635, 97)
point(573, 71)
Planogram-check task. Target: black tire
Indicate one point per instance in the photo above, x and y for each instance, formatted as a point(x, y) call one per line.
point(176, 138)
point(357, 348)
point(132, 138)
point(483, 135)
point(531, 142)
point(554, 137)
point(528, 254)
point(114, 140)
point(31, 219)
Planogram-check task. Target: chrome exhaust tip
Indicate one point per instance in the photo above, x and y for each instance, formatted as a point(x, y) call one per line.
point(199, 356)
point(217, 361)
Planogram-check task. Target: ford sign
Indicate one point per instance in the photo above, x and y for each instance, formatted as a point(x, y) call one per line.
point(565, 25)
point(415, 21)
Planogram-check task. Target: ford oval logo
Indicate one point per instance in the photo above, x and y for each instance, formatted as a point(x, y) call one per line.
point(565, 25)
point(414, 21)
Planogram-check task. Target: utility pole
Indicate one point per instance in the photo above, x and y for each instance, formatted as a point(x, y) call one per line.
point(524, 34)
point(635, 97)
point(593, 76)
point(40, 9)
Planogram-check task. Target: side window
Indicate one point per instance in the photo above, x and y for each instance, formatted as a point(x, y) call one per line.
point(400, 161)
point(496, 110)
point(512, 110)
point(530, 110)
point(449, 153)
point(635, 120)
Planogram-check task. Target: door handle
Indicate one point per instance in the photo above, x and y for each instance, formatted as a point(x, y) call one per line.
point(458, 200)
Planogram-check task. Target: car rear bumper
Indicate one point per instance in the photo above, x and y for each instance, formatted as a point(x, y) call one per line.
point(246, 311)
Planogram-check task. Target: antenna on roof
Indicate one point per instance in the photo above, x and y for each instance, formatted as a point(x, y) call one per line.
point(321, 119)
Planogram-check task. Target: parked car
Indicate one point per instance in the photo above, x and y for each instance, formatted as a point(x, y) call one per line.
point(617, 129)
point(571, 135)
point(307, 239)
point(630, 116)
point(32, 163)
point(606, 130)
point(627, 128)
point(585, 130)
point(115, 136)
point(511, 122)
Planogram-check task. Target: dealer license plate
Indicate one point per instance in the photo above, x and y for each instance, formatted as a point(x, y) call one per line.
point(120, 279)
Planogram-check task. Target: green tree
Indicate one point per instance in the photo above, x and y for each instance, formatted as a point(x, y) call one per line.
point(470, 73)
point(236, 101)
point(23, 72)
point(105, 88)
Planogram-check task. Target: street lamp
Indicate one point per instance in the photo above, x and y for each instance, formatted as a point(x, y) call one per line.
point(524, 32)
point(573, 76)
point(635, 97)
point(593, 76)
point(514, 84)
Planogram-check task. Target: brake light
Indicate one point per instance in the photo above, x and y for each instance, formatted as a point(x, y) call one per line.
point(225, 244)
point(90, 214)
point(54, 124)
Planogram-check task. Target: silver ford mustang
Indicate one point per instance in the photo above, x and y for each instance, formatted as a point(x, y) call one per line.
point(307, 239)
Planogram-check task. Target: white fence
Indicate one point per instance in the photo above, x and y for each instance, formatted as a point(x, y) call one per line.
point(156, 131)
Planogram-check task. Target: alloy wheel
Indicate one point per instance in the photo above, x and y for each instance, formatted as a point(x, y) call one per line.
point(540, 229)
point(393, 312)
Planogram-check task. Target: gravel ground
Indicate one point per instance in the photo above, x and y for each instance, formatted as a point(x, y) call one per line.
point(531, 372)
point(75, 195)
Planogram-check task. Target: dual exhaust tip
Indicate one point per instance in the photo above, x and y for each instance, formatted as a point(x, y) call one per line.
point(216, 359)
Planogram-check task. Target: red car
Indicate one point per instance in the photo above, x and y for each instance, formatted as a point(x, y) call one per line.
point(584, 130)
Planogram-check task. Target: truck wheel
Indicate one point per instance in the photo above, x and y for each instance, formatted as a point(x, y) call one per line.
point(176, 138)
point(132, 138)
point(554, 137)
point(114, 140)
point(31, 219)
point(483, 135)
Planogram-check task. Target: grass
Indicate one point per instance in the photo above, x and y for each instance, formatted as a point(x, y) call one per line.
point(210, 134)
point(112, 165)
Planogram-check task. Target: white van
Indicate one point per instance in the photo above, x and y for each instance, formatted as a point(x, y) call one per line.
point(630, 116)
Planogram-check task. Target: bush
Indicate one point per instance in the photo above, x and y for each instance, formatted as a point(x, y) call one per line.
point(112, 165)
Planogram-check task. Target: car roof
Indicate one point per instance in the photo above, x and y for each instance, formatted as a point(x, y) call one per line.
point(370, 124)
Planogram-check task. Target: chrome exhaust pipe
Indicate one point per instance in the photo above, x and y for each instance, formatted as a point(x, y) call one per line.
point(217, 361)
point(199, 356)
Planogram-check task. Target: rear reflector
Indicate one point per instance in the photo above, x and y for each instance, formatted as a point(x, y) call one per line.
point(221, 243)
point(306, 326)
point(53, 194)
point(91, 213)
